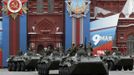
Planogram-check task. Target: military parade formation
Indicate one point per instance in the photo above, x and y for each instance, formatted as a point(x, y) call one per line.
point(67, 37)
point(76, 60)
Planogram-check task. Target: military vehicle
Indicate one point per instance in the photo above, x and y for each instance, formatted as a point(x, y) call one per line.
point(49, 62)
point(126, 62)
point(74, 62)
point(116, 61)
point(24, 62)
point(111, 61)
point(82, 63)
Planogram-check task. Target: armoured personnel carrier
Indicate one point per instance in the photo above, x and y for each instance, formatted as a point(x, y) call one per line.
point(116, 61)
point(82, 63)
point(76, 61)
point(111, 60)
point(23, 62)
point(126, 63)
point(49, 62)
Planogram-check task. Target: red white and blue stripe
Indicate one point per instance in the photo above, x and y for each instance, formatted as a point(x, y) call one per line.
point(102, 32)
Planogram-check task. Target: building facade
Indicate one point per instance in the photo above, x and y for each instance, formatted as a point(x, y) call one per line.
point(45, 23)
point(125, 33)
point(49, 23)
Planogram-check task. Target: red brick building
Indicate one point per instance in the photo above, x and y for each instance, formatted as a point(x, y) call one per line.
point(45, 23)
point(125, 30)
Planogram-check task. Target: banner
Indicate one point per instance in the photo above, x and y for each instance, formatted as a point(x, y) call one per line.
point(5, 40)
point(0, 33)
point(77, 22)
point(14, 34)
point(102, 33)
point(0, 43)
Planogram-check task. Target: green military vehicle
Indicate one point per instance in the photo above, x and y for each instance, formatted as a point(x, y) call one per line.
point(82, 63)
point(116, 61)
point(23, 62)
point(49, 62)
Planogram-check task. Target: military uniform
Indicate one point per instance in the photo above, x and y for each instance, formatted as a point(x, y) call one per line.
point(72, 51)
point(81, 52)
point(90, 50)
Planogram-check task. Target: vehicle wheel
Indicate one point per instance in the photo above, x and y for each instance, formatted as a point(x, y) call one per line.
point(39, 68)
point(115, 68)
point(61, 71)
point(45, 69)
point(18, 66)
point(130, 68)
point(28, 69)
point(22, 66)
point(13, 66)
point(9, 66)
point(119, 67)
point(125, 68)
point(36, 68)
point(33, 69)
point(110, 65)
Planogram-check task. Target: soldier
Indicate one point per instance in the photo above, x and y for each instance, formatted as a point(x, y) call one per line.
point(61, 51)
point(56, 52)
point(49, 50)
point(42, 52)
point(116, 52)
point(73, 50)
point(81, 51)
point(30, 52)
point(90, 50)
point(107, 52)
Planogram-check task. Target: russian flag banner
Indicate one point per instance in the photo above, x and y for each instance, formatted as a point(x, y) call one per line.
point(102, 33)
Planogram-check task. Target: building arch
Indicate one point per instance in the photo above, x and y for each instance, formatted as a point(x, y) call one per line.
point(46, 34)
point(45, 26)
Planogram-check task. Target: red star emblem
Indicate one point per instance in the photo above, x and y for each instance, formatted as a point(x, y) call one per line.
point(14, 7)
